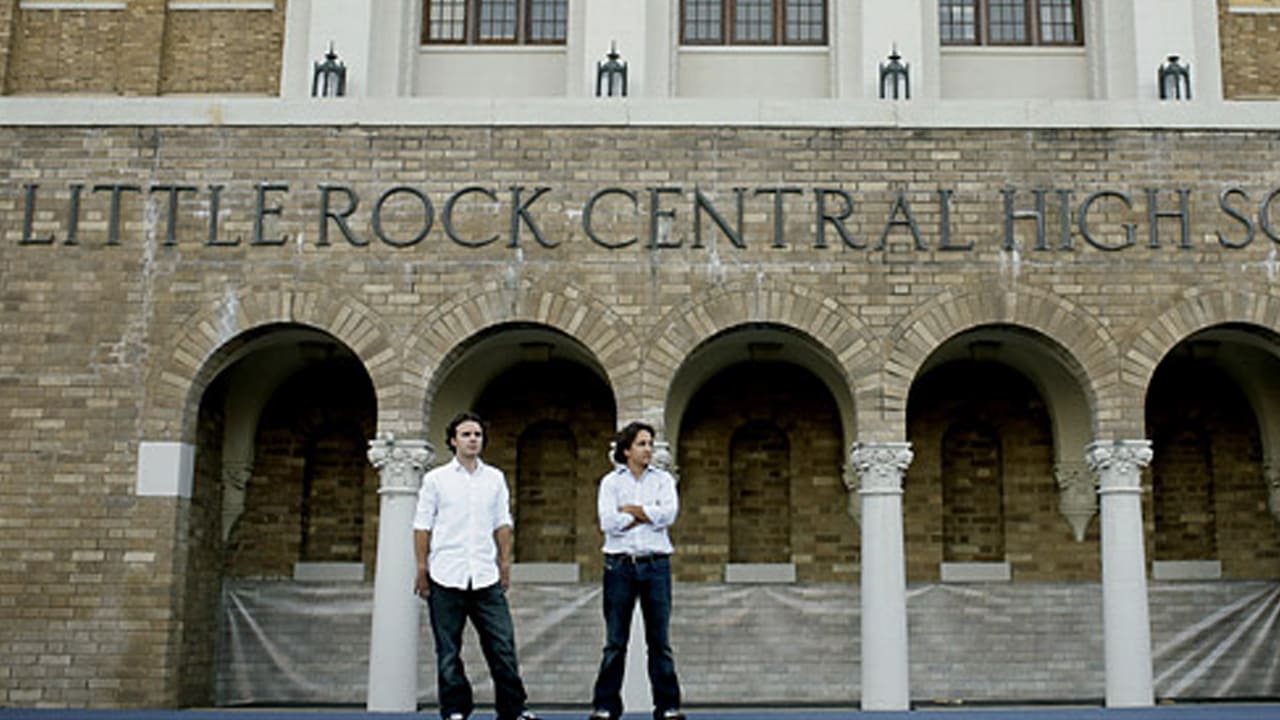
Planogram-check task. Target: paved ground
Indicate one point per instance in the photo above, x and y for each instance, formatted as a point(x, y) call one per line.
point(1223, 711)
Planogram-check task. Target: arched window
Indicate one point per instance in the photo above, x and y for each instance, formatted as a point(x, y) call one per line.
point(333, 494)
point(1182, 493)
point(546, 493)
point(972, 495)
point(759, 494)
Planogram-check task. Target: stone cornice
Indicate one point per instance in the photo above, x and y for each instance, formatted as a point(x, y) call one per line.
point(216, 111)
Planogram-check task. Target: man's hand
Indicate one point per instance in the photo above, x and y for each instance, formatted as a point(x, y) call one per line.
point(636, 512)
point(504, 573)
point(421, 585)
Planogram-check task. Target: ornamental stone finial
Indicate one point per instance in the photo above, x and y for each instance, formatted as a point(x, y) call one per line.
point(1271, 473)
point(1077, 496)
point(400, 463)
point(852, 486)
point(662, 458)
point(880, 466)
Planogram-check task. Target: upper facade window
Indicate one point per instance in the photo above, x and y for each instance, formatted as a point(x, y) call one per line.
point(753, 22)
point(483, 22)
point(1010, 22)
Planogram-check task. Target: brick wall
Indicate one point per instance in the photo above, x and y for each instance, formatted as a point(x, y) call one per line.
point(561, 415)
point(1250, 53)
point(103, 346)
point(311, 491)
point(144, 49)
point(793, 405)
point(1210, 502)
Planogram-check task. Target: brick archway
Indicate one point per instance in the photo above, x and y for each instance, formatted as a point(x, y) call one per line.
point(444, 332)
point(831, 326)
point(1155, 336)
point(209, 339)
point(1087, 348)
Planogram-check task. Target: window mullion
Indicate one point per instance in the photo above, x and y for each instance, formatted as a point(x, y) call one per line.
point(780, 22)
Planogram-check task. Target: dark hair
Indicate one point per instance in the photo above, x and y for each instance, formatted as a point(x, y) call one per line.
point(465, 416)
point(626, 437)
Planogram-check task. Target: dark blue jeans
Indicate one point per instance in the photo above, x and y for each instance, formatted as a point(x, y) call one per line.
point(487, 609)
point(625, 581)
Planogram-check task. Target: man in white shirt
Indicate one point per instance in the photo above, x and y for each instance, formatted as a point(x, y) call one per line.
point(462, 539)
point(636, 504)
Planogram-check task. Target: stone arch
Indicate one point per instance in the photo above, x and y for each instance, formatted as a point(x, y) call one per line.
point(444, 333)
point(1083, 347)
point(823, 320)
point(1197, 310)
point(209, 340)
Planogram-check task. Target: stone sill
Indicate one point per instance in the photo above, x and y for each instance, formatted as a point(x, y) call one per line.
point(547, 573)
point(976, 572)
point(1186, 570)
point(328, 572)
point(760, 573)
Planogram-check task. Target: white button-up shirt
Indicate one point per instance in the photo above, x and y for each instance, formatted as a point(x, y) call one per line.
point(462, 510)
point(655, 491)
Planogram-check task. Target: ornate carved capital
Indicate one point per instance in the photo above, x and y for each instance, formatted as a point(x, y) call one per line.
point(880, 466)
point(1119, 464)
point(1077, 496)
point(400, 463)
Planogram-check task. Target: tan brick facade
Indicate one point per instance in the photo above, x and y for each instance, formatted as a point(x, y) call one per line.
point(1250, 50)
point(147, 48)
point(759, 363)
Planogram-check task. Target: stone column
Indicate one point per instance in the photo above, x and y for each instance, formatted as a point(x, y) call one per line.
point(393, 645)
point(1125, 622)
point(885, 673)
point(1077, 496)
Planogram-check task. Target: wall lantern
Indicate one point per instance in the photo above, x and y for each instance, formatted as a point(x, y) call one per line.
point(611, 76)
point(895, 78)
point(330, 77)
point(1174, 79)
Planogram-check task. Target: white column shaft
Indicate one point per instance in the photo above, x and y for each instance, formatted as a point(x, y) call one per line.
point(885, 671)
point(1125, 620)
point(393, 643)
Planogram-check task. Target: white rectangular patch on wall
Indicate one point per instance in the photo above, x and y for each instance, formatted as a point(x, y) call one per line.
point(165, 469)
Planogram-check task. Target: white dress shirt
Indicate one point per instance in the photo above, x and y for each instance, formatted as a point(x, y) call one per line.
point(462, 510)
point(655, 491)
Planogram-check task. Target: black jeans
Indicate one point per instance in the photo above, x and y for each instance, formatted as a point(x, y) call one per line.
point(487, 609)
point(626, 581)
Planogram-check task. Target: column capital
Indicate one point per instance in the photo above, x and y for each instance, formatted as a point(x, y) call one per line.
point(400, 463)
point(880, 466)
point(1119, 464)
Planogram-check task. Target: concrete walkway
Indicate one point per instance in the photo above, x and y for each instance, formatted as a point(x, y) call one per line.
point(1220, 711)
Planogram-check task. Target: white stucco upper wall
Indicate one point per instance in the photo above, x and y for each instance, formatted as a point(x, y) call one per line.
point(108, 111)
